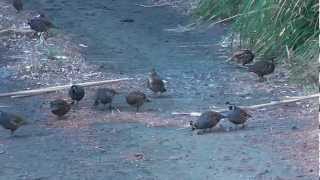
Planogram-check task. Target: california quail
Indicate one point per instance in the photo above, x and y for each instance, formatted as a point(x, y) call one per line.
point(76, 93)
point(207, 120)
point(137, 99)
point(243, 56)
point(18, 5)
point(60, 107)
point(155, 83)
point(105, 96)
point(40, 23)
point(262, 68)
point(11, 121)
point(236, 115)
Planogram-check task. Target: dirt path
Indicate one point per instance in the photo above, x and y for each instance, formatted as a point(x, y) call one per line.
point(279, 142)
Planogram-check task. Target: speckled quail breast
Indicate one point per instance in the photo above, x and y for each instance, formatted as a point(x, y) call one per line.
point(155, 83)
point(207, 120)
point(236, 115)
point(11, 121)
point(105, 96)
point(18, 5)
point(244, 56)
point(136, 99)
point(60, 107)
point(262, 68)
point(76, 93)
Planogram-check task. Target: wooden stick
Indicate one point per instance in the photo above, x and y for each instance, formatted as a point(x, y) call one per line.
point(21, 31)
point(155, 5)
point(285, 101)
point(34, 92)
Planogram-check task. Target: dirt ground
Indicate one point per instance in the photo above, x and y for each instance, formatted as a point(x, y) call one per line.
point(280, 142)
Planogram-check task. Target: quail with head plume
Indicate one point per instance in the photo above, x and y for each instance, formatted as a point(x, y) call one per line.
point(236, 115)
point(244, 56)
point(11, 121)
point(136, 99)
point(60, 107)
point(76, 93)
point(262, 68)
point(207, 120)
point(18, 5)
point(105, 96)
point(155, 83)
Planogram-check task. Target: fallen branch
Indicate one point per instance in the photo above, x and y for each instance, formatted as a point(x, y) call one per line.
point(155, 5)
point(15, 31)
point(285, 101)
point(35, 92)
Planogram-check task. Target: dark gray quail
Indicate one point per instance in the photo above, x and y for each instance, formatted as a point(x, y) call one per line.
point(105, 96)
point(236, 115)
point(11, 121)
point(40, 23)
point(60, 107)
point(136, 99)
point(244, 56)
point(155, 83)
point(18, 5)
point(76, 93)
point(46, 20)
point(207, 120)
point(262, 68)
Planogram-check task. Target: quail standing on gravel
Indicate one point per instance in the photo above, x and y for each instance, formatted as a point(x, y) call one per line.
point(40, 23)
point(11, 121)
point(262, 68)
point(155, 83)
point(60, 107)
point(244, 56)
point(236, 115)
point(18, 5)
point(136, 99)
point(76, 93)
point(105, 96)
point(207, 120)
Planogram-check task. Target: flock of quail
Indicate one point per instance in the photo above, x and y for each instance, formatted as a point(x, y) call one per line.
point(105, 96)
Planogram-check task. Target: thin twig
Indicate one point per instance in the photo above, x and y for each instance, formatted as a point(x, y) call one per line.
point(57, 88)
point(285, 101)
point(155, 5)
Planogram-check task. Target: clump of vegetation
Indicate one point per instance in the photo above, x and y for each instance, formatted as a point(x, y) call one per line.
point(286, 29)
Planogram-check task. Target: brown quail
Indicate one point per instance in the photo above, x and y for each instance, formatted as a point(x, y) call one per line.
point(244, 56)
point(136, 99)
point(155, 83)
point(11, 121)
point(262, 68)
point(60, 107)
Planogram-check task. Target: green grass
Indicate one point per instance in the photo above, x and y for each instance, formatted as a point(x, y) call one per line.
point(274, 28)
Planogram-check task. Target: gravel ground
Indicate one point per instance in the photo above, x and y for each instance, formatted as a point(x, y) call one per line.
point(280, 142)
